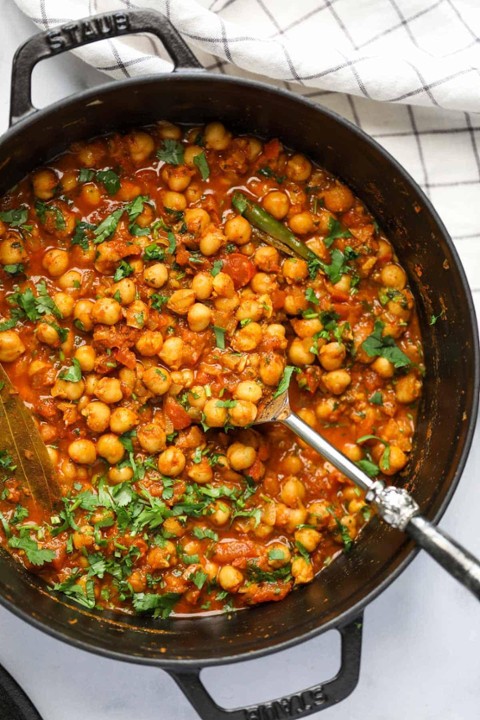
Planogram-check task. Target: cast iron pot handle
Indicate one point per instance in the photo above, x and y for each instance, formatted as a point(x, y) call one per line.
point(82, 32)
point(296, 705)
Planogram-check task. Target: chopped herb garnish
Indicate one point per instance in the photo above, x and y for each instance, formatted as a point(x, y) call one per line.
point(335, 230)
point(14, 218)
point(219, 337)
point(36, 555)
point(377, 345)
point(73, 374)
point(109, 180)
point(171, 152)
point(200, 161)
point(284, 383)
point(159, 605)
point(123, 270)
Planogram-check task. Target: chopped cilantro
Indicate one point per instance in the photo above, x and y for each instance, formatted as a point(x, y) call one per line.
point(216, 268)
point(199, 578)
point(377, 345)
point(109, 180)
point(80, 235)
point(123, 270)
point(202, 533)
point(171, 152)
point(158, 301)
point(219, 337)
point(154, 252)
point(433, 318)
point(284, 383)
point(35, 554)
point(14, 218)
point(85, 175)
point(376, 398)
point(159, 605)
point(200, 161)
point(73, 374)
point(108, 226)
point(267, 171)
point(14, 268)
point(335, 230)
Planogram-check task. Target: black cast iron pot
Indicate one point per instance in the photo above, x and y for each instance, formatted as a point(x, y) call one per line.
point(449, 406)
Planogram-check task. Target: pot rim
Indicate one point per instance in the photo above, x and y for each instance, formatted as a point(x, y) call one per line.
point(410, 550)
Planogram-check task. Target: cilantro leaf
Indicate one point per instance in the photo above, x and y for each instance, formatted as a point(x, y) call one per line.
point(14, 218)
point(345, 535)
point(200, 161)
point(73, 374)
point(216, 268)
point(172, 243)
point(310, 296)
point(158, 301)
point(109, 180)
point(377, 345)
point(80, 235)
point(8, 324)
point(123, 270)
point(335, 230)
point(83, 595)
point(201, 533)
point(108, 226)
point(154, 252)
point(14, 268)
point(199, 578)
point(219, 337)
point(267, 171)
point(284, 383)
point(376, 398)
point(35, 554)
point(368, 467)
point(171, 152)
point(160, 605)
point(85, 175)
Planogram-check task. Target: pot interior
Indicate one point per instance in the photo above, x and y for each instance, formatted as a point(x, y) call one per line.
point(448, 410)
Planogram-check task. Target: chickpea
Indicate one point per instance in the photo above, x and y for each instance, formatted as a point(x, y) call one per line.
point(174, 200)
point(299, 352)
point(171, 462)
point(70, 280)
point(177, 177)
point(229, 578)
point(262, 283)
point(97, 415)
point(309, 538)
point(122, 420)
point(82, 315)
point(91, 194)
point(162, 557)
point(318, 513)
point(349, 522)
point(247, 338)
point(353, 452)
point(157, 380)
point(172, 526)
point(295, 269)
point(172, 352)
point(181, 301)
point(67, 390)
point(197, 397)
point(211, 242)
point(47, 334)
point(241, 456)
point(201, 472)
point(120, 475)
point(393, 276)
point(223, 285)
point(396, 461)
point(248, 390)
point(302, 223)
point(302, 571)
point(243, 413)
point(82, 452)
point(44, 184)
point(238, 230)
point(281, 555)
point(216, 136)
point(86, 356)
point(215, 415)
point(202, 285)
point(108, 390)
point(277, 204)
point(197, 220)
point(12, 250)
point(407, 389)
point(140, 145)
point(298, 168)
point(194, 193)
point(221, 514)
point(83, 538)
point(295, 302)
point(168, 130)
point(191, 152)
point(337, 381)
point(65, 303)
point(55, 262)
point(267, 258)
point(152, 437)
point(338, 198)
point(293, 492)
point(106, 311)
point(249, 310)
point(124, 291)
point(110, 448)
point(383, 367)
point(199, 317)
point(276, 332)
point(136, 314)
point(271, 369)
point(91, 383)
point(332, 355)
point(226, 305)
point(150, 343)
point(156, 275)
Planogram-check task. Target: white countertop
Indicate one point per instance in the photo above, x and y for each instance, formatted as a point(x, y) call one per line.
point(421, 645)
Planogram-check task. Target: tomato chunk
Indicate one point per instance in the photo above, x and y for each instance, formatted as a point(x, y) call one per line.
point(240, 269)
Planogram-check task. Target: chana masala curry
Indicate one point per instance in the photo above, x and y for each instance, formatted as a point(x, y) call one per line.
point(144, 319)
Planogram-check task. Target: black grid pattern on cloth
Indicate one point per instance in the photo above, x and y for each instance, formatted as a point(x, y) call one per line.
point(440, 148)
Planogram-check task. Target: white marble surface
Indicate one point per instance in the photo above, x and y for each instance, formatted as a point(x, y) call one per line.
point(420, 658)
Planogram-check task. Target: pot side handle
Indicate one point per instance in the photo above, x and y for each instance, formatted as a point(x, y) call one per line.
point(83, 32)
point(297, 705)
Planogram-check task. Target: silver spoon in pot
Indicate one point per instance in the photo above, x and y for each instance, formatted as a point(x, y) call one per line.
point(395, 505)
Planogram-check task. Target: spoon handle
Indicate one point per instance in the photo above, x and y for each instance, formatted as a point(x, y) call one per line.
point(398, 509)
point(455, 559)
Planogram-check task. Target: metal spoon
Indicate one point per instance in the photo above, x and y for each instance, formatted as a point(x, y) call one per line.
point(395, 505)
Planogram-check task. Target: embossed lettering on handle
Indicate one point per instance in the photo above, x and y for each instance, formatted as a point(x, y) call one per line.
point(77, 33)
point(291, 706)
point(82, 32)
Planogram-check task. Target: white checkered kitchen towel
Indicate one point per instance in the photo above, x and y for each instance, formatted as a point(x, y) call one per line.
point(422, 55)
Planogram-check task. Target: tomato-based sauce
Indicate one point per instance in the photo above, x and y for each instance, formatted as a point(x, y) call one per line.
point(144, 321)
